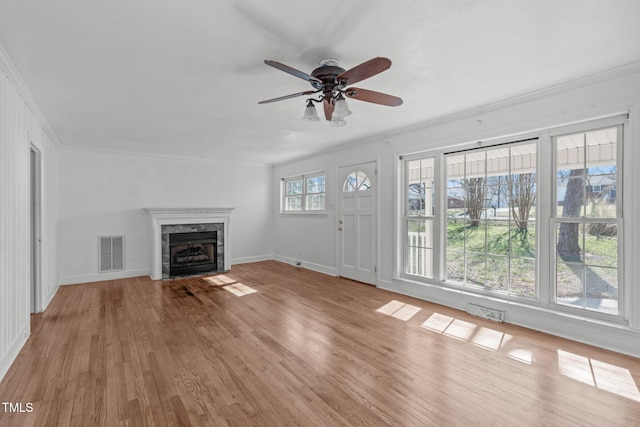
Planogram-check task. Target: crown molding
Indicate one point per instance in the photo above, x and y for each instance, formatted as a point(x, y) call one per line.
point(12, 73)
point(567, 86)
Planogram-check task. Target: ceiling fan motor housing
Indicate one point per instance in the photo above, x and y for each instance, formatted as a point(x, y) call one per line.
point(327, 74)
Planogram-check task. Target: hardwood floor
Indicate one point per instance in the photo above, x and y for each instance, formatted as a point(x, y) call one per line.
point(269, 344)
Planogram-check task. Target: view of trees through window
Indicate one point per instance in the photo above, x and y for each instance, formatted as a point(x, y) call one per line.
point(304, 193)
point(587, 220)
point(490, 225)
point(491, 214)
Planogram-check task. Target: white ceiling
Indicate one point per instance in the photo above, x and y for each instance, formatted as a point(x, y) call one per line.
point(183, 78)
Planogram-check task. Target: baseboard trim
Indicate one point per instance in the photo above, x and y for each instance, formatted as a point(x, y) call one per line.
point(115, 275)
point(330, 271)
point(49, 297)
point(246, 260)
point(14, 349)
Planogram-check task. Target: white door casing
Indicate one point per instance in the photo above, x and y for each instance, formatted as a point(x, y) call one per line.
point(357, 247)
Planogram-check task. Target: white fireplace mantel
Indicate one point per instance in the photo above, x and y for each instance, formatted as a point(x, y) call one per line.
point(177, 216)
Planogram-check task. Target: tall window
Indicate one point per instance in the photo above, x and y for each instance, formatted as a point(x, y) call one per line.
point(587, 219)
point(419, 215)
point(304, 193)
point(537, 220)
point(491, 211)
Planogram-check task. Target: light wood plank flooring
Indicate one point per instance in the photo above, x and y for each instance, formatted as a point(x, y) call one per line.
point(269, 344)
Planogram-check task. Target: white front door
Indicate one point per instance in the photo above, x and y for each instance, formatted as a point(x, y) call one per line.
point(357, 222)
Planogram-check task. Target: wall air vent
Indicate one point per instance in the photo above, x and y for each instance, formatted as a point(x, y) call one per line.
point(486, 313)
point(110, 253)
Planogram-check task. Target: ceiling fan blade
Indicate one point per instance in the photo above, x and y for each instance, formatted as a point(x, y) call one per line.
point(365, 70)
point(280, 66)
point(373, 96)
point(293, 95)
point(328, 109)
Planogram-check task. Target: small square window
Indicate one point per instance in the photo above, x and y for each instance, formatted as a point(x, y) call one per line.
point(304, 193)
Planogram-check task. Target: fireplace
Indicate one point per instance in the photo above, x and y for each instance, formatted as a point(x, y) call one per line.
point(189, 241)
point(192, 253)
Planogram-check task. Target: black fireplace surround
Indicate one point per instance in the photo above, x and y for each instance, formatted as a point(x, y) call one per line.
point(192, 253)
point(192, 249)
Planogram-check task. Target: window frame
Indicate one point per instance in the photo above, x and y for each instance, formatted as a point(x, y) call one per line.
point(545, 243)
point(621, 123)
point(507, 144)
point(304, 209)
point(434, 218)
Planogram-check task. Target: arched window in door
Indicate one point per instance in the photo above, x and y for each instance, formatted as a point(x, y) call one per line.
point(356, 181)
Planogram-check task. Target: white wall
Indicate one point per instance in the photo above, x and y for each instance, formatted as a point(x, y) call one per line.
point(596, 96)
point(105, 193)
point(19, 129)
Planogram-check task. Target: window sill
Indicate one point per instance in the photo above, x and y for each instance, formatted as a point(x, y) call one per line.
point(318, 214)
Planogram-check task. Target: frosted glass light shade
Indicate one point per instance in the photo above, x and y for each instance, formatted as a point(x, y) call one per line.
point(337, 121)
point(310, 113)
point(341, 108)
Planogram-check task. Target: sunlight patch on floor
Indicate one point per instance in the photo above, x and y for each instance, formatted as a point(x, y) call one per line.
point(604, 376)
point(521, 355)
point(219, 280)
point(488, 338)
point(483, 337)
point(438, 322)
point(399, 310)
point(239, 289)
point(460, 329)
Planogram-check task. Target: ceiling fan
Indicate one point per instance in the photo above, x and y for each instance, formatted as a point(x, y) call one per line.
point(331, 83)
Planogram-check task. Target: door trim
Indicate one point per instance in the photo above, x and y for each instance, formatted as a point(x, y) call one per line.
point(35, 198)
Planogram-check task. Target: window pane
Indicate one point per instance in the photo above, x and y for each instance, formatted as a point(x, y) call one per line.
point(523, 277)
point(569, 242)
point(587, 251)
point(315, 184)
point(420, 175)
point(293, 203)
point(294, 187)
point(419, 250)
point(498, 237)
point(523, 239)
point(491, 208)
point(601, 194)
point(455, 234)
point(570, 192)
point(602, 289)
point(315, 202)
point(569, 286)
point(587, 266)
point(357, 181)
point(498, 279)
point(416, 199)
point(476, 269)
point(601, 244)
point(455, 266)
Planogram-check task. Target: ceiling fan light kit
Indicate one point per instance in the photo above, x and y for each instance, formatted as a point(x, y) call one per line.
point(310, 113)
point(330, 82)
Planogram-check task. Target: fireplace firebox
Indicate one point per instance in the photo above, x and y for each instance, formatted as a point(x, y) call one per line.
point(192, 253)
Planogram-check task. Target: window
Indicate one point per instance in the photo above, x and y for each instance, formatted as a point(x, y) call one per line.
point(537, 220)
point(356, 181)
point(491, 208)
point(587, 220)
point(304, 193)
point(419, 215)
